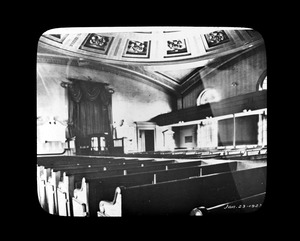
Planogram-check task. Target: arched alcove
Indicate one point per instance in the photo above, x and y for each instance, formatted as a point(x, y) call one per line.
point(208, 95)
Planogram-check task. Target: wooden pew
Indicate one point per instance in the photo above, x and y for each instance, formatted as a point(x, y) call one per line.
point(47, 179)
point(68, 178)
point(75, 175)
point(253, 153)
point(115, 169)
point(55, 176)
point(218, 152)
point(41, 160)
point(48, 182)
point(62, 160)
point(78, 161)
point(253, 156)
point(86, 199)
point(42, 177)
point(178, 155)
point(181, 196)
point(110, 166)
point(51, 191)
point(107, 166)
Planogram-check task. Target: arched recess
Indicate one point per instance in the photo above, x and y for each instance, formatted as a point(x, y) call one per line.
point(261, 83)
point(208, 95)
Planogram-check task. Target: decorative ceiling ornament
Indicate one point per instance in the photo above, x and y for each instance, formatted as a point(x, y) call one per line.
point(177, 47)
point(98, 40)
point(137, 49)
point(216, 38)
point(97, 43)
point(219, 40)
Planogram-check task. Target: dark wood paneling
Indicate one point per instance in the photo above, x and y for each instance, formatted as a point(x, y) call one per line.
point(244, 70)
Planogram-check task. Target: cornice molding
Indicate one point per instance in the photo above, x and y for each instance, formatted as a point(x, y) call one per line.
point(117, 70)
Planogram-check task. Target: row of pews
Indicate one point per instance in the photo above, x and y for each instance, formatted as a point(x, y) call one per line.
point(103, 186)
point(246, 153)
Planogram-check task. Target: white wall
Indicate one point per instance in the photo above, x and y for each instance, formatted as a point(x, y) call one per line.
point(132, 101)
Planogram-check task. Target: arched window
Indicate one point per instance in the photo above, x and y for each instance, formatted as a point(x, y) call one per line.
point(208, 96)
point(263, 84)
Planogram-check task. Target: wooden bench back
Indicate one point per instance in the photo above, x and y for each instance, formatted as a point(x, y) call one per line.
point(104, 188)
point(181, 196)
point(65, 161)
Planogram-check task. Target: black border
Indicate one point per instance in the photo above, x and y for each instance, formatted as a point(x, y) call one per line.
point(249, 225)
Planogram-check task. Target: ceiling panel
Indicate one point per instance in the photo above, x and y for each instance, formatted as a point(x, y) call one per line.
point(167, 56)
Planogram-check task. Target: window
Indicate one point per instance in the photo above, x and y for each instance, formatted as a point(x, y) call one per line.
point(246, 131)
point(263, 85)
point(94, 143)
point(208, 96)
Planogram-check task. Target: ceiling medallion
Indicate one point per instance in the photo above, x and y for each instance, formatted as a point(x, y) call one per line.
point(177, 47)
point(97, 43)
point(216, 38)
point(137, 49)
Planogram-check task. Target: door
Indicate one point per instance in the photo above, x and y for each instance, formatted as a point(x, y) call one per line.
point(149, 140)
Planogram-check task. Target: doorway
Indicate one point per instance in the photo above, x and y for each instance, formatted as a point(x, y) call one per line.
point(147, 140)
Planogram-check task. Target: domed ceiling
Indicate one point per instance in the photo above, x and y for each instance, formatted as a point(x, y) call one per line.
point(167, 56)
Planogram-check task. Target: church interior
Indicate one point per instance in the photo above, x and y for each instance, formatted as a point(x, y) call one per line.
point(137, 121)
